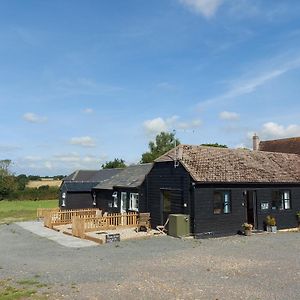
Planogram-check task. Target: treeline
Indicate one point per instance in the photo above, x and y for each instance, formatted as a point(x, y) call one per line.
point(14, 187)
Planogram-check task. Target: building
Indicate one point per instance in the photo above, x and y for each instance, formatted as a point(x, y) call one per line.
point(288, 145)
point(223, 188)
point(126, 191)
point(76, 189)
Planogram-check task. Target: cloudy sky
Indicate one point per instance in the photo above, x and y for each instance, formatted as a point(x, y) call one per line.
point(83, 82)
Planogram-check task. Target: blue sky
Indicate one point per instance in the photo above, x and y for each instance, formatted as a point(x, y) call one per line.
point(83, 82)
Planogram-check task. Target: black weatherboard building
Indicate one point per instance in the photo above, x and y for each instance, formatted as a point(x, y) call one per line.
point(126, 191)
point(223, 188)
point(76, 189)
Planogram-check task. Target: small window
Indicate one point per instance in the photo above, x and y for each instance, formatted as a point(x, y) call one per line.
point(115, 199)
point(134, 201)
point(281, 200)
point(63, 204)
point(222, 202)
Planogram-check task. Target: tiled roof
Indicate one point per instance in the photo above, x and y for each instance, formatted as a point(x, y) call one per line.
point(289, 145)
point(221, 165)
point(131, 177)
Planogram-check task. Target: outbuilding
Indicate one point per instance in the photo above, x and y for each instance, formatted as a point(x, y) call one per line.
point(221, 188)
point(76, 189)
point(127, 191)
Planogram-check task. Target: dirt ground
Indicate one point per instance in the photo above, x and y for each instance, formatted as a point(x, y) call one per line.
point(263, 266)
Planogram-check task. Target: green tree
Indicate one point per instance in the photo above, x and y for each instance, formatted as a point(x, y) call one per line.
point(113, 164)
point(7, 180)
point(215, 145)
point(163, 143)
point(21, 180)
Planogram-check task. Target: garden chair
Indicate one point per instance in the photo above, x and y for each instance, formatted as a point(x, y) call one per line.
point(143, 222)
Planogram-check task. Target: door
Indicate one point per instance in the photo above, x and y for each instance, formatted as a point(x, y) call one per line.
point(123, 204)
point(171, 203)
point(251, 208)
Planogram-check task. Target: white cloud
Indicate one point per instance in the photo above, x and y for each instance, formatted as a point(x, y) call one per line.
point(274, 130)
point(157, 125)
point(34, 118)
point(84, 141)
point(88, 110)
point(229, 116)
point(206, 8)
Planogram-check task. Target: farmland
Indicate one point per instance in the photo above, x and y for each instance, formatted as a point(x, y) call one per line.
point(13, 211)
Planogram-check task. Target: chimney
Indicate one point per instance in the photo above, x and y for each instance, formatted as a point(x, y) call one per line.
point(255, 142)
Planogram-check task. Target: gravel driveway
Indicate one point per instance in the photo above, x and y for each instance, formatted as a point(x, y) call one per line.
point(264, 266)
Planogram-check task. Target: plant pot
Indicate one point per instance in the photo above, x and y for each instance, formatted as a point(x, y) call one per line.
point(272, 229)
point(248, 232)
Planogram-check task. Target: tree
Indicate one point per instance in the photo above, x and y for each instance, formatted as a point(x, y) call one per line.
point(215, 145)
point(163, 143)
point(7, 180)
point(116, 163)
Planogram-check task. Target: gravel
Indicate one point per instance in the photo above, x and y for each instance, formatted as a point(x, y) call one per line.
point(262, 266)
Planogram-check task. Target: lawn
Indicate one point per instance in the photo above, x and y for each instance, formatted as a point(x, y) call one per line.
point(13, 211)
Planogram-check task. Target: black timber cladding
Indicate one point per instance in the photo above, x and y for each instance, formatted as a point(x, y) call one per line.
point(78, 186)
point(165, 177)
point(133, 179)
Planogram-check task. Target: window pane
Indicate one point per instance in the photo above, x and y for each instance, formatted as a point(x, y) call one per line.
point(287, 204)
point(217, 203)
point(286, 195)
point(227, 207)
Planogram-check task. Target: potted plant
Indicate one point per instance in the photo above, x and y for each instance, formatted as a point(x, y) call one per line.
point(298, 218)
point(247, 228)
point(271, 224)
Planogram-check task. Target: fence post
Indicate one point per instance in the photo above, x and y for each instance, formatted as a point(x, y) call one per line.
point(78, 227)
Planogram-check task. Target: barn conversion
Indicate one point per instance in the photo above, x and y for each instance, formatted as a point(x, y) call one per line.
point(126, 191)
point(222, 188)
point(76, 189)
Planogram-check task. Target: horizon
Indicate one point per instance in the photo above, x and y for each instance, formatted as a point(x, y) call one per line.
point(83, 83)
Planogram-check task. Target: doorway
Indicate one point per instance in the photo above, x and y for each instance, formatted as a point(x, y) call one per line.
point(251, 211)
point(171, 203)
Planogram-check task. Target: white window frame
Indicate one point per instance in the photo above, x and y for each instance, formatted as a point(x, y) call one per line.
point(134, 201)
point(115, 199)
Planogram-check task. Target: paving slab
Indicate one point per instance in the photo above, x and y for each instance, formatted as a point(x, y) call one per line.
point(38, 228)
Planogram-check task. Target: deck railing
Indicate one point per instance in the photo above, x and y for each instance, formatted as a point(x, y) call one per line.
point(62, 217)
point(110, 221)
point(40, 212)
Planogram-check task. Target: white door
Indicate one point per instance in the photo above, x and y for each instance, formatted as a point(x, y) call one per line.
point(123, 202)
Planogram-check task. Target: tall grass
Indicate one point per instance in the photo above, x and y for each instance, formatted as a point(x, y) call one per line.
point(12, 211)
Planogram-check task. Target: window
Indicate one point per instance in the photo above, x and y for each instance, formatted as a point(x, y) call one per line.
point(222, 202)
point(115, 199)
point(134, 201)
point(63, 199)
point(281, 200)
point(123, 201)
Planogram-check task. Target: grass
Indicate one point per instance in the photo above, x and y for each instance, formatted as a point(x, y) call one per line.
point(22, 210)
point(23, 289)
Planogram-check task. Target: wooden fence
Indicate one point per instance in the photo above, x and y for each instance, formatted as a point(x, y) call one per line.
point(62, 217)
point(41, 212)
point(111, 221)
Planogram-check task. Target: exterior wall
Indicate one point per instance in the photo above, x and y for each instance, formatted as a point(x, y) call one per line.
point(76, 200)
point(177, 180)
point(206, 223)
point(104, 197)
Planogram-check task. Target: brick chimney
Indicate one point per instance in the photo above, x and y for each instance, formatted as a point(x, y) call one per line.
point(255, 140)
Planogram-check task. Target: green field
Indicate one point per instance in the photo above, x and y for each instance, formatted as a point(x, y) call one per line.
point(13, 211)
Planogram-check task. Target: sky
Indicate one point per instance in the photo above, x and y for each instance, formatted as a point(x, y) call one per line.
point(84, 82)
